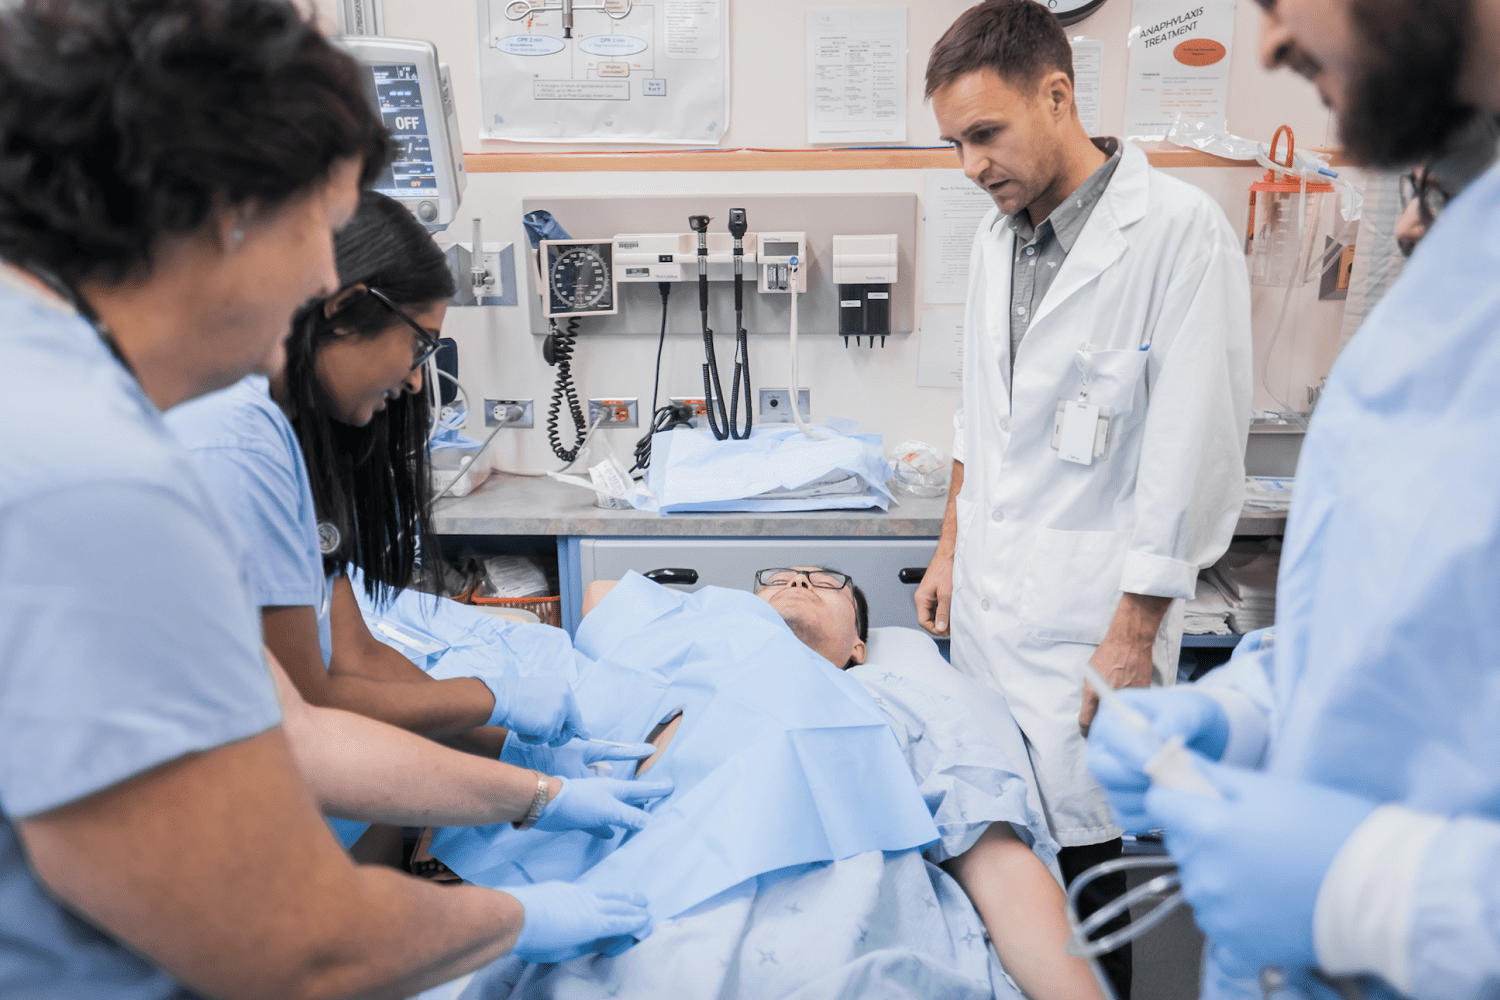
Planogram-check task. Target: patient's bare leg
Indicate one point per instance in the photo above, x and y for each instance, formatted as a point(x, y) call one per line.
point(1023, 909)
point(659, 737)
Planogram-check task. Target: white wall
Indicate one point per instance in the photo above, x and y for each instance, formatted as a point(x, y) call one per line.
point(500, 358)
point(768, 69)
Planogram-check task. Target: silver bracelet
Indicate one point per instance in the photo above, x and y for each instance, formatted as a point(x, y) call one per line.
point(538, 803)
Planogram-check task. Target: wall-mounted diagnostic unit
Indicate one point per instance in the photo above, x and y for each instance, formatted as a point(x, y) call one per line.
point(415, 97)
point(774, 253)
point(579, 277)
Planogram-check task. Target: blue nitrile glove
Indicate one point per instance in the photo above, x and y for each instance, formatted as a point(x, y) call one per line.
point(596, 804)
point(536, 709)
point(574, 759)
point(565, 921)
point(1252, 862)
point(1117, 756)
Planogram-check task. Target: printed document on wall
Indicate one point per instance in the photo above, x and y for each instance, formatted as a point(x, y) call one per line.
point(1179, 64)
point(1088, 80)
point(856, 74)
point(940, 354)
point(631, 72)
point(950, 216)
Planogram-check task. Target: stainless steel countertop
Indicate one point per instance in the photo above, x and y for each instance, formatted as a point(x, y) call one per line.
point(520, 505)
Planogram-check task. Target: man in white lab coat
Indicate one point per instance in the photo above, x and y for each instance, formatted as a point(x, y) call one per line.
point(1099, 445)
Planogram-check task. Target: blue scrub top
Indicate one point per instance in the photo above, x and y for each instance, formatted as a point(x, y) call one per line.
point(248, 451)
point(127, 638)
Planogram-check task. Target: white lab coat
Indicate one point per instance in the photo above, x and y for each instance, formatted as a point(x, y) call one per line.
point(1156, 287)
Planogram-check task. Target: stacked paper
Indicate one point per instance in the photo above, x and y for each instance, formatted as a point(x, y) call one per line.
point(1268, 493)
point(1246, 575)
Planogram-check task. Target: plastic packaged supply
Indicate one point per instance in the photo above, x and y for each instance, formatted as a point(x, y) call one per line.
point(514, 576)
point(922, 470)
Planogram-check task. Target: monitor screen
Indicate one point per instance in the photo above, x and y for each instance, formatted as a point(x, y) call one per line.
point(400, 95)
point(778, 248)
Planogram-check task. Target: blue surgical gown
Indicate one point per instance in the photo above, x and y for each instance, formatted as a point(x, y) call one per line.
point(127, 637)
point(248, 452)
point(1384, 679)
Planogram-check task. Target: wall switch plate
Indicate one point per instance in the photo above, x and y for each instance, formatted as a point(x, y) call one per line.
point(776, 405)
point(494, 408)
point(617, 412)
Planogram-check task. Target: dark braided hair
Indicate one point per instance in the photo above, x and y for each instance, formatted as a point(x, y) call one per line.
point(370, 482)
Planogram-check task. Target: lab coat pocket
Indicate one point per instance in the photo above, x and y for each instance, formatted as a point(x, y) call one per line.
point(1117, 382)
point(1072, 584)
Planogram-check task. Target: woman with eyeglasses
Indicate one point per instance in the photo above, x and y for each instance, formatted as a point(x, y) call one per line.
point(323, 468)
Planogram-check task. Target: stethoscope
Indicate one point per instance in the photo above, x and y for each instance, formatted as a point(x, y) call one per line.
point(1274, 981)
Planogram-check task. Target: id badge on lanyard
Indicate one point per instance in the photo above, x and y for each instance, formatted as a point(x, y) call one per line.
point(1080, 429)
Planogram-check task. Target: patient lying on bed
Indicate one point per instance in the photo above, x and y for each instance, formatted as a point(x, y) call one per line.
point(1019, 900)
point(787, 864)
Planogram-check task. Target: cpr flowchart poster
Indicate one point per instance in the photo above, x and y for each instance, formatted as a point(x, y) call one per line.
point(659, 72)
point(1179, 64)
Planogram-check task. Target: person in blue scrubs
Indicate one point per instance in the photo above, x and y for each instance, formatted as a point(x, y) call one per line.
point(1356, 846)
point(171, 176)
point(349, 400)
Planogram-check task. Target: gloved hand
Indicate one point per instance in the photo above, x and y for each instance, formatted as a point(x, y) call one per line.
point(1252, 862)
point(596, 804)
point(574, 759)
point(1117, 756)
point(536, 709)
point(565, 921)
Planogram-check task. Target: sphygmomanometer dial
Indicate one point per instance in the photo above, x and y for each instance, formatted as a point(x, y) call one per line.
point(580, 279)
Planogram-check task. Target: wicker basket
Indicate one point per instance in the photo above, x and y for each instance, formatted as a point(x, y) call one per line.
point(548, 609)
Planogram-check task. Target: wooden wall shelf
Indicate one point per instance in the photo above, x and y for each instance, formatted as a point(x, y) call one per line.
point(785, 159)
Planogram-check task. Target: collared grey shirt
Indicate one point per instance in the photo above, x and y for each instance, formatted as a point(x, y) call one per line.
point(1041, 250)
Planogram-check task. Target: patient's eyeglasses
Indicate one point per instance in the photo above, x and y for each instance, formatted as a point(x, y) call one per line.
point(1420, 186)
point(426, 344)
point(823, 579)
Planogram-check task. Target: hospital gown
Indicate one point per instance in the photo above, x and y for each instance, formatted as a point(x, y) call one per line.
point(1384, 679)
point(880, 924)
point(780, 758)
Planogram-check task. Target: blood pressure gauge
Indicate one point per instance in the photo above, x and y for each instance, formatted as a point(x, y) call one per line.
point(580, 278)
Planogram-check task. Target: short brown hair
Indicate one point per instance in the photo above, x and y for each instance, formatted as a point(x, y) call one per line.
point(1018, 39)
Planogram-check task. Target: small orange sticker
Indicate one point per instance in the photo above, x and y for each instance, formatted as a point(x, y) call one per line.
point(1199, 52)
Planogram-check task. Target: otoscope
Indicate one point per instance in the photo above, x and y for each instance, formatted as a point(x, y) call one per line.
point(713, 393)
point(737, 227)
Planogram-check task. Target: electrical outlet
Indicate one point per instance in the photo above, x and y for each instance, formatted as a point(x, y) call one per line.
point(494, 409)
point(776, 405)
point(617, 412)
point(696, 402)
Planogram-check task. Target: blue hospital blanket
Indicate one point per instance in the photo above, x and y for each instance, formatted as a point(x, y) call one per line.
point(780, 759)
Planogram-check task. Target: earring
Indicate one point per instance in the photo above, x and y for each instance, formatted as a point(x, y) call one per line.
point(235, 237)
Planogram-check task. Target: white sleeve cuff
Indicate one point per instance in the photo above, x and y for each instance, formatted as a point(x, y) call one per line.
point(1158, 576)
point(1362, 919)
point(1249, 730)
point(958, 433)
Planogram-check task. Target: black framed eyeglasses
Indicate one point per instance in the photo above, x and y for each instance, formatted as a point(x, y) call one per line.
point(1431, 198)
point(782, 576)
point(427, 342)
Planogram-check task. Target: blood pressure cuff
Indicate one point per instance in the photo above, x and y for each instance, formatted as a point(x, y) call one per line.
point(780, 759)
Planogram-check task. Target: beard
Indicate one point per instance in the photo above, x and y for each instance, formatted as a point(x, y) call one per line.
point(1403, 105)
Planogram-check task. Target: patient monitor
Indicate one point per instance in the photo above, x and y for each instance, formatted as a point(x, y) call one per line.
point(413, 92)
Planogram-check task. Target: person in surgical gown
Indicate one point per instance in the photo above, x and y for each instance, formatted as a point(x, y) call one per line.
point(1356, 849)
